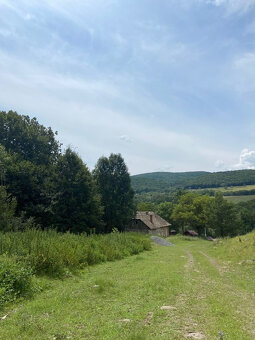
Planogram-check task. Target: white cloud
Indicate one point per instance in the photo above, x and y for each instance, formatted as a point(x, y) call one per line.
point(246, 160)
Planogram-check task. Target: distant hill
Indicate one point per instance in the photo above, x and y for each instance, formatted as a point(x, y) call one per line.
point(170, 181)
point(163, 181)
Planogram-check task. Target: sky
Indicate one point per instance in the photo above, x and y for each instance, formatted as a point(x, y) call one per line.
point(169, 84)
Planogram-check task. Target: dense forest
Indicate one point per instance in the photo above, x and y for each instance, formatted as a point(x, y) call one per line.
point(42, 185)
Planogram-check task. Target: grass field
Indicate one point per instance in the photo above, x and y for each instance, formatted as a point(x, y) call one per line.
point(194, 290)
point(238, 199)
point(231, 189)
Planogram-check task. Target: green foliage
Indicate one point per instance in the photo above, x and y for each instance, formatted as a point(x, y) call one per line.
point(184, 212)
point(165, 210)
point(146, 206)
point(28, 139)
point(158, 187)
point(222, 179)
point(28, 156)
point(204, 213)
point(222, 217)
point(7, 210)
point(15, 280)
point(113, 180)
point(77, 205)
point(162, 181)
point(246, 211)
point(54, 254)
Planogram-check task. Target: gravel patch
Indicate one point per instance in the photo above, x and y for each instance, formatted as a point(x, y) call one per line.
point(161, 241)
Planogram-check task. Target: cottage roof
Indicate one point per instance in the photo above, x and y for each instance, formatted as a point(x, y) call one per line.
point(152, 220)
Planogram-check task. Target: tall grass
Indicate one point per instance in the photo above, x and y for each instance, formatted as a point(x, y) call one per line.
point(37, 252)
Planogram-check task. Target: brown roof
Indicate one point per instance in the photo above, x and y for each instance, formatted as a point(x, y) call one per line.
point(191, 232)
point(152, 220)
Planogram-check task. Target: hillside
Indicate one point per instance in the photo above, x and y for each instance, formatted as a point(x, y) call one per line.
point(169, 181)
point(163, 181)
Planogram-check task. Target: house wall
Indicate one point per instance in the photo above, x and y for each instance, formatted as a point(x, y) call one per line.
point(161, 231)
point(139, 226)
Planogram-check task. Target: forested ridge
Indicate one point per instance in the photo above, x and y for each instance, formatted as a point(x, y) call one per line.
point(169, 181)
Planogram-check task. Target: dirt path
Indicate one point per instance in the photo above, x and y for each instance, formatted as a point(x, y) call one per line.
point(213, 262)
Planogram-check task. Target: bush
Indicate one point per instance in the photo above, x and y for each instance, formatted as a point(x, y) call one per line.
point(15, 280)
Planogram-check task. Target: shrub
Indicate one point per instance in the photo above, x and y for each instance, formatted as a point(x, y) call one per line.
point(15, 280)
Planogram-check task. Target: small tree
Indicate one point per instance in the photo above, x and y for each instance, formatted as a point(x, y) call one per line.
point(113, 180)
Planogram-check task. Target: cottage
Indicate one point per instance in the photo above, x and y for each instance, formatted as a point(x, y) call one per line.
point(150, 223)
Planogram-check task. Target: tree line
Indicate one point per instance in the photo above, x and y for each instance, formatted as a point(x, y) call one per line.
point(43, 185)
point(207, 215)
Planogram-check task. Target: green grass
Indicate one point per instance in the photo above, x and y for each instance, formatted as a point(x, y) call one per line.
point(206, 288)
point(238, 199)
point(233, 188)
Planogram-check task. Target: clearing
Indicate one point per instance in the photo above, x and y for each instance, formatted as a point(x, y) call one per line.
point(194, 290)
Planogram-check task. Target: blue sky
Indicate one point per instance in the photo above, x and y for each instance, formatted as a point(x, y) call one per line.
point(169, 84)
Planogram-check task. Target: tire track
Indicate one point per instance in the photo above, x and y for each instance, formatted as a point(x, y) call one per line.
point(191, 262)
point(213, 262)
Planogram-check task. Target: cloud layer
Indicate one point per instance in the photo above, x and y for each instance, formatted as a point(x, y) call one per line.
point(169, 86)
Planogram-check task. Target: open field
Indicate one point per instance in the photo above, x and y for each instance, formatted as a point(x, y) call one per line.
point(238, 199)
point(233, 188)
point(193, 290)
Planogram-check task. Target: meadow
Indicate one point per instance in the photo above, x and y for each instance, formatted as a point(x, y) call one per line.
point(193, 290)
point(239, 199)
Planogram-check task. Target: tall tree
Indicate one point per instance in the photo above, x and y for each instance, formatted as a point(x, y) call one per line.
point(27, 170)
point(30, 140)
point(113, 180)
point(77, 207)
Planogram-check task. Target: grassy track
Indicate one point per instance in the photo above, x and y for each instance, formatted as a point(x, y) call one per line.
point(204, 289)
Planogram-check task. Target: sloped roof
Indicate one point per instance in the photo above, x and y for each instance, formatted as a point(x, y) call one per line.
point(152, 220)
